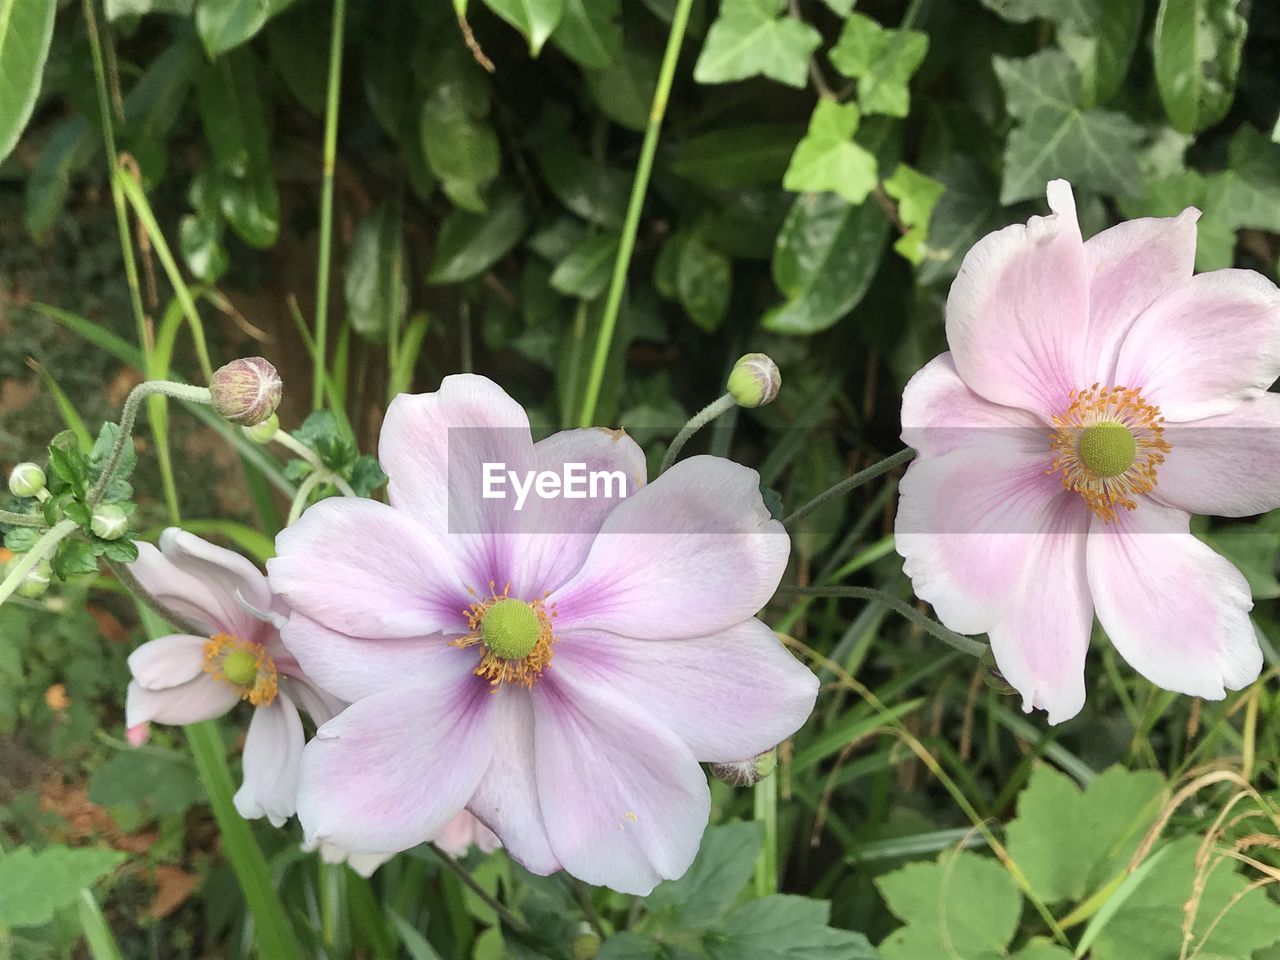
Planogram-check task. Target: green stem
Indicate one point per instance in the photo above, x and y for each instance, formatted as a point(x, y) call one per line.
point(766, 812)
point(631, 225)
point(699, 420)
point(97, 932)
point(300, 449)
point(458, 870)
point(41, 549)
point(300, 498)
point(930, 626)
point(326, 199)
point(849, 483)
point(20, 519)
point(124, 576)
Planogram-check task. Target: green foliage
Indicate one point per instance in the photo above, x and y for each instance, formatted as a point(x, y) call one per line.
point(33, 885)
point(827, 159)
point(752, 38)
point(26, 29)
point(882, 61)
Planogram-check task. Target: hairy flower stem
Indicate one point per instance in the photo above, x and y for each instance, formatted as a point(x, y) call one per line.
point(20, 519)
point(458, 870)
point(851, 483)
point(40, 550)
point(699, 420)
point(930, 626)
point(301, 450)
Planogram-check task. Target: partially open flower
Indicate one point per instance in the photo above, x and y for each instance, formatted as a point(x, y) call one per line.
point(746, 773)
point(246, 391)
point(754, 380)
point(26, 480)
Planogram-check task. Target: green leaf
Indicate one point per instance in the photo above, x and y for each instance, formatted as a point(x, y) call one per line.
point(26, 29)
point(470, 243)
point(917, 195)
point(224, 24)
point(536, 19)
point(828, 159)
point(200, 241)
point(733, 157)
point(629, 945)
point(21, 539)
point(320, 432)
point(120, 551)
point(704, 281)
point(74, 558)
point(162, 784)
point(624, 90)
point(785, 928)
point(376, 287)
point(1070, 842)
point(589, 33)
point(585, 272)
point(595, 192)
point(1040, 948)
point(69, 466)
point(460, 146)
point(751, 38)
point(102, 447)
point(824, 261)
point(719, 873)
point(962, 905)
point(115, 9)
point(1056, 138)
point(1197, 46)
point(967, 210)
point(33, 886)
point(882, 61)
point(366, 475)
point(68, 151)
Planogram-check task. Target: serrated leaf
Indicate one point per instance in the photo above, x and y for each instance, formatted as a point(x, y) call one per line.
point(366, 475)
point(589, 33)
point(720, 871)
point(68, 470)
point(163, 785)
point(74, 558)
point(121, 551)
point(917, 195)
point(102, 447)
point(785, 928)
point(320, 432)
point(585, 272)
point(751, 38)
point(1197, 46)
point(21, 539)
point(471, 243)
point(882, 61)
point(26, 30)
point(376, 287)
point(34, 886)
point(535, 19)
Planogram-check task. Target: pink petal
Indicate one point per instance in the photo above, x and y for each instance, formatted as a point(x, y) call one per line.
point(1018, 311)
point(391, 770)
point(507, 796)
point(168, 661)
point(200, 699)
point(624, 799)
point(728, 696)
point(1130, 265)
point(691, 554)
point(138, 735)
point(320, 706)
point(1042, 638)
point(369, 570)
point(464, 832)
point(272, 755)
point(1205, 346)
point(1177, 611)
point(940, 413)
point(1227, 466)
point(199, 580)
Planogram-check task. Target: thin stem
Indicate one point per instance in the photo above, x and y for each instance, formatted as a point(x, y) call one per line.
point(20, 519)
point(631, 225)
point(140, 594)
point(582, 893)
point(97, 932)
point(930, 626)
point(766, 812)
point(326, 200)
point(699, 420)
point(302, 496)
point(511, 920)
point(41, 549)
point(300, 449)
point(850, 483)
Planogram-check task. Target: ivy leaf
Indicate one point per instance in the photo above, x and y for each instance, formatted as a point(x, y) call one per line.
point(585, 272)
point(590, 189)
point(704, 279)
point(917, 195)
point(535, 19)
point(1055, 137)
point(828, 159)
point(589, 33)
point(1197, 46)
point(457, 140)
point(735, 157)
point(882, 61)
point(376, 288)
point(785, 928)
point(718, 874)
point(33, 886)
point(224, 24)
point(751, 38)
point(624, 90)
point(470, 243)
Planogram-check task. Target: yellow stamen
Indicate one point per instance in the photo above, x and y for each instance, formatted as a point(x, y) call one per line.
point(494, 667)
point(244, 665)
point(1107, 447)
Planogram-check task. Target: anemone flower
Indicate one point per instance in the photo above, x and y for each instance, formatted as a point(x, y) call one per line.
point(237, 655)
point(1095, 396)
point(557, 668)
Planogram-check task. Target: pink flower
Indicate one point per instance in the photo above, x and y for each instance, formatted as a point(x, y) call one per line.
point(558, 671)
point(237, 655)
point(1095, 396)
point(464, 832)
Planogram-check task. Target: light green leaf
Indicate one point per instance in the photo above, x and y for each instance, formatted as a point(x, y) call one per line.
point(1197, 46)
point(535, 19)
point(734, 157)
point(704, 894)
point(225, 24)
point(376, 288)
point(585, 272)
point(882, 61)
point(828, 159)
point(163, 785)
point(1040, 948)
point(840, 7)
point(136, 8)
point(35, 885)
point(750, 38)
point(785, 928)
point(471, 243)
point(1070, 842)
point(26, 29)
point(917, 195)
point(1055, 137)
point(589, 33)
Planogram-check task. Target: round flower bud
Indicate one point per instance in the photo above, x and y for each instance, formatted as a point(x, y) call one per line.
point(37, 580)
point(109, 522)
point(746, 773)
point(264, 432)
point(754, 380)
point(246, 391)
point(26, 480)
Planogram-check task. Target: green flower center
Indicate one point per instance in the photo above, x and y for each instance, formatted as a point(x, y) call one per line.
point(240, 667)
point(1107, 448)
point(510, 629)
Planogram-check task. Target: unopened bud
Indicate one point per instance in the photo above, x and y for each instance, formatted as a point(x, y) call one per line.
point(754, 380)
point(246, 391)
point(109, 522)
point(37, 580)
point(992, 676)
point(26, 480)
point(137, 734)
point(265, 431)
point(586, 946)
point(746, 773)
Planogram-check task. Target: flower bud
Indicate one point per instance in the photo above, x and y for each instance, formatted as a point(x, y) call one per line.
point(37, 580)
point(746, 773)
point(585, 947)
point(26, 480)
point(264, 432)
point(109, 522)
point(246, 391)
point(754, 380)
point(138, 734)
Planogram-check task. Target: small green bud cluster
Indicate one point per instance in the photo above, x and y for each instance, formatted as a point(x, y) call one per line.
point(27, 480)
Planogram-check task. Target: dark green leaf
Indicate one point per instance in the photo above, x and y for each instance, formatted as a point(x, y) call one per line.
point(320, 432)
point(70, 467)
point(470, 243)
point(735, 157)
point(624, 90)
point(161, 784)
point(785, 928)
point(26, 28)
point(718, 874)
point(588, 32)
point(121, 551)
point(366, 475)
point(585, 272)
point(200, 241)
point(704, 280)
point(593, 191)
point(224, 24)
point(72, 146)
point(74, 558)
point(535, 19)
point(461, 148)
point(102, 447)
point(376, 287)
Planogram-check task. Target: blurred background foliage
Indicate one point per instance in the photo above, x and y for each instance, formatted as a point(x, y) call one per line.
point(821, 172)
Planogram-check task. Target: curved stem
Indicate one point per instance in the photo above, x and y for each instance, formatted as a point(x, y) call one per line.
point(930, 626)
point(850, 483)
point(302, 451)
point(41, 549)
point(699, 420)
point(21, 519)
point(326, 199)
point(300, 498)
point(509, 918)
point(131, 583)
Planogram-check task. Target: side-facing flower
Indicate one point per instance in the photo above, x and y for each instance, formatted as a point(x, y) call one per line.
point(558, 671)
point(1096, 395)
point(237, 655)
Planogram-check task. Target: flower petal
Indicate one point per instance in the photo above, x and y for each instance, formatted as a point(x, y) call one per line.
point(693, 553)
point(1177, 611)
point(1130, 265)
point(391, 770)
point(319, 705)
point(200, 699)
point(464, 832)
point(364, 864)
point(1225, 466)
point(1042, 638)
point(728, 696)
point(168, 661)
point(624, 799)
point(1018, 311)
point(1204, 346)
point(199, 580)
point(272, 756)
point(366, 569)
